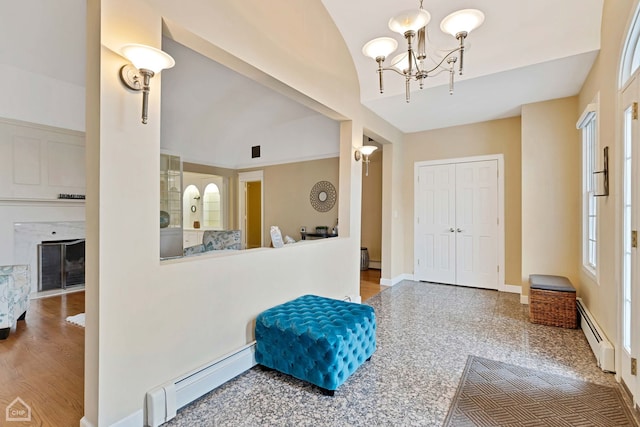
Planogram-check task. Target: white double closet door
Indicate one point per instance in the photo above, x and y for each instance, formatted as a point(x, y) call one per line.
point(456, 224)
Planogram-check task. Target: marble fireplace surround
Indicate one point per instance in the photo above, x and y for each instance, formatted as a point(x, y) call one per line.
point(27, 236)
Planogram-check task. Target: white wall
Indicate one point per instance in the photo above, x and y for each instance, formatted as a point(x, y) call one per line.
point(41, 66)
point(148, 322)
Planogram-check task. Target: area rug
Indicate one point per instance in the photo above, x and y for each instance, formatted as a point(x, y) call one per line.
point(493, 393)
point(78, 319)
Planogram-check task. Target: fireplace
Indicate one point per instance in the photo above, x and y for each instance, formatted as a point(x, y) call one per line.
point(60, 264)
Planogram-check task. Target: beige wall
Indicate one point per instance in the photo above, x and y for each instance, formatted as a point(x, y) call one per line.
point(371, 223)
point(493, 137)
point(602, 296)
point(286, 196)
point(551, 187)
point(139, 308)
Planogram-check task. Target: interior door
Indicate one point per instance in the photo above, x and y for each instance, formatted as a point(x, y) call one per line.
point(435, 236)
point(477, 224)
point(631, 221)
point(456, 237)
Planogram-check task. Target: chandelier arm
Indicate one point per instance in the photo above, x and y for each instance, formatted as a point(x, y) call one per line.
point(443, 60)
point(394, 70)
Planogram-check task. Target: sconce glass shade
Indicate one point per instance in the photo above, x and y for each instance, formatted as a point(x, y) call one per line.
point(465, 20)
point(147, 57)
point(380, 47)
point(409, 20)
point(366, 150)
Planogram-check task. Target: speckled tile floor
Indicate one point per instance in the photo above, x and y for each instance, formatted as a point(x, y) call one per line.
point(425, 333)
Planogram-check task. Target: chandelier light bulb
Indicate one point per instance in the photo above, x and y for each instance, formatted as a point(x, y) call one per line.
point(409, 20)
point(462, 21)
point(380, 47)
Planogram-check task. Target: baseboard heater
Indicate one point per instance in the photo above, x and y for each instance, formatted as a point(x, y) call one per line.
point(163, 402)
point(601, 347)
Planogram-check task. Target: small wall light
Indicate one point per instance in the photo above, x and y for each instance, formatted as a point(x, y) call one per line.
point(365, 151)
point(147, 61)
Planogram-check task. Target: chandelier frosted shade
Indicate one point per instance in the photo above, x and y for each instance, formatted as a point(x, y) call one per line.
point(400, 62)
point(409, 20)
point(380, 47)
point(462, 21)
point(147, 57)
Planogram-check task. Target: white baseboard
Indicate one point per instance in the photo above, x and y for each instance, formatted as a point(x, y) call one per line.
point(376, 265)
point(396, 280)
point(524, 299)
point(133, 420)
point(512, 289)
point(85, 423)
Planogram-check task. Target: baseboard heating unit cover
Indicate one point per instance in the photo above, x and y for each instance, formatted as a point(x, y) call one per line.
point(601, 347)
point(163, 402)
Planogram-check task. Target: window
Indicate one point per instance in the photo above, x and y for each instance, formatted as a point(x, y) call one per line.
point(588, 125)
point(212, 208)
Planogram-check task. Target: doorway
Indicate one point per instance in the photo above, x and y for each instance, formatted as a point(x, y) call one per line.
point(251, 209)
point(631, 222)
point(458, 234)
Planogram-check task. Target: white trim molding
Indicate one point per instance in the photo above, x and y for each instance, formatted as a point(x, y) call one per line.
point(394, 281)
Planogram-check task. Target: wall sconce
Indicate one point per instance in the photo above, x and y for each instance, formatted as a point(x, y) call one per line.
point(365, 151)
point(147, 61)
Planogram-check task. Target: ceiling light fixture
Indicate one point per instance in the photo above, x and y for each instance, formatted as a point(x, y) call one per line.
point(147, 61)
point(364, 151)
point(411, 65)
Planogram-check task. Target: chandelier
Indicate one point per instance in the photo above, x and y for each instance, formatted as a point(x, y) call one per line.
point(412, 65)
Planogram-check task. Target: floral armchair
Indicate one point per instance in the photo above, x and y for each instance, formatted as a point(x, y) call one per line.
point(14, 296)
point(216, 240)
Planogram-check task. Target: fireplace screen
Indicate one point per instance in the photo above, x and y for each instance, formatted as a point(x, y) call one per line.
point(60, 264)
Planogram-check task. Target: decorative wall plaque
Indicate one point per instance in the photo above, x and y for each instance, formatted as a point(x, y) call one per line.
point(323, 196)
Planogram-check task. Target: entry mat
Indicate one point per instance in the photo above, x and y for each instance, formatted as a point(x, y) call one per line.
point(493, 393)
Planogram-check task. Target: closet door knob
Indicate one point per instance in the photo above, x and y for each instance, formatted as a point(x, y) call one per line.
point(452, 230)
point(459, 230)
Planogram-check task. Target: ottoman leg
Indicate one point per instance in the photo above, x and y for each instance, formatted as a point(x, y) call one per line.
point(327, 392)
point(4, 333)
point(24, 315)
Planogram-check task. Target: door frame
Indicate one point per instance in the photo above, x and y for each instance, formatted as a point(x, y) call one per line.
point(502, 286)
point(243, 179)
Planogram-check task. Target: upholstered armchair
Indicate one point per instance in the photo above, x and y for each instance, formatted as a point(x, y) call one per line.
point(216, 240)
point(14, 296)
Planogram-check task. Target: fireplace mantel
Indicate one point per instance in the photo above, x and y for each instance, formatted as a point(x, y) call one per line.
point(40, 202)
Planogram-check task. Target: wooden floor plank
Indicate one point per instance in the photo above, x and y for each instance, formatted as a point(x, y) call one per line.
point(42, 362)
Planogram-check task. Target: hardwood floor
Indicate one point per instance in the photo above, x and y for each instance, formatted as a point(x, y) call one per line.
point(42, 362)
point(370, 283)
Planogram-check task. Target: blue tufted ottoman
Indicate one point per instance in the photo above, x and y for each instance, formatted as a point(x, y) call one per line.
point(316, 339)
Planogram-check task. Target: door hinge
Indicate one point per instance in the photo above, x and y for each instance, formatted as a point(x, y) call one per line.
point(634, 239)
point(634, 366)
point(418, 261)
point(634, 111)
point(498, 268)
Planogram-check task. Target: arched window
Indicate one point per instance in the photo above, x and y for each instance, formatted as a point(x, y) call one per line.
point(631, 52)
point(212, 208)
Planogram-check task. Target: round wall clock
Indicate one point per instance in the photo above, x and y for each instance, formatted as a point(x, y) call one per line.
point(323, 196)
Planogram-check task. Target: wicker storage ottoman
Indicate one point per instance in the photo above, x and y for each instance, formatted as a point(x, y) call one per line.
point(552, 301)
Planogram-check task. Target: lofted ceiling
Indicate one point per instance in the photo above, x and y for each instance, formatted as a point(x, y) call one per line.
point(525, 52)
